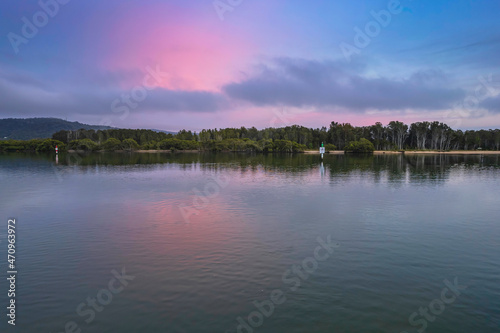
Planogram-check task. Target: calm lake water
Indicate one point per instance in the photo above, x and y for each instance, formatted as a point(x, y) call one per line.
point(206, 240)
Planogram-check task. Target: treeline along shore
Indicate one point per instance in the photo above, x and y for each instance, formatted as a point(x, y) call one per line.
point(396, 136)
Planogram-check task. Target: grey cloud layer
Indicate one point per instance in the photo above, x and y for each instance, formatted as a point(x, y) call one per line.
point(22, 96)
point(283, 81)
point(311, 83)
point(492, 104)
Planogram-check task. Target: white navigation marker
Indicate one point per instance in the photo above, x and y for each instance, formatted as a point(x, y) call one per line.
point(322, 149)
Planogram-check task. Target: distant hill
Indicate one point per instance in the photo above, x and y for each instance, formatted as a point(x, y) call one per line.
point(39, 128)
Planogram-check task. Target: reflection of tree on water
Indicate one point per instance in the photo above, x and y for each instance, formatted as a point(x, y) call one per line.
point(438, 166)
point(391, 167)
point(411, 168)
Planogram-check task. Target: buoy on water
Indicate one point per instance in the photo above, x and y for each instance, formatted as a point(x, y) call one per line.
point(57, 150)
point(322, 150)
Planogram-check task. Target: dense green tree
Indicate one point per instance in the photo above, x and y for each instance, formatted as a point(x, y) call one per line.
point(111, 144)
point(361, 146)
point(330, 147)
point(130, 144)
point(50, 145)
point(396, 135)
point(83, 144)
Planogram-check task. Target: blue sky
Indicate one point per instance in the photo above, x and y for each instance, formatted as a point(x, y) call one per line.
point(251, 62)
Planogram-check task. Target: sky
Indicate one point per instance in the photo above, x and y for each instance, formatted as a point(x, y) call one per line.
point(174, 64)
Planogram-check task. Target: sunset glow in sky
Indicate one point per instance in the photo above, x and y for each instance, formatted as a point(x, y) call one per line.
point(173, 64)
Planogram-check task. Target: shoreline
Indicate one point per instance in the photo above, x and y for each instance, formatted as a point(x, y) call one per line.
point(420, 152)
point(315, 152)
point(457, 152)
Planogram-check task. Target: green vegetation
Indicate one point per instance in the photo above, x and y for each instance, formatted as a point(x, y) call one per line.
point(84, 144)
point(110, 144)
point(395, 136)
point(360, 146)
point(236, 140)
point(176, 144)
point(130, 144)
point(31, 145)
point(330, 146)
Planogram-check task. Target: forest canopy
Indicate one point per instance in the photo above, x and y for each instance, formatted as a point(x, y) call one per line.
point(395, 136)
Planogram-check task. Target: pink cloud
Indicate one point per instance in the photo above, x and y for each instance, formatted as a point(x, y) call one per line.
point(197, 51)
